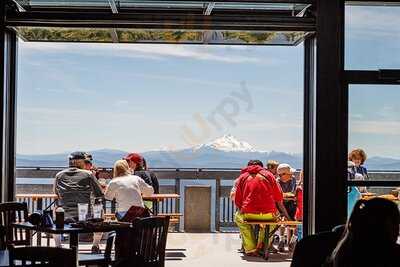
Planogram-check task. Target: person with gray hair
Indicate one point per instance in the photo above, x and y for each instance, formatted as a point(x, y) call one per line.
point(76, 185)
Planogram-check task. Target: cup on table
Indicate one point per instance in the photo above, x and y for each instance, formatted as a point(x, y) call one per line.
point(83, 210)
point(97, 211)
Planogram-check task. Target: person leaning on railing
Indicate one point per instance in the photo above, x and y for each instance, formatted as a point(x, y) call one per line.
point(257, 195)
point(76, 185)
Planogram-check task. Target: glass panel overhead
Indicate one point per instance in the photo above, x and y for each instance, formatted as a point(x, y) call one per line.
point(207, 7)
point(190, 22)
point(105, 35)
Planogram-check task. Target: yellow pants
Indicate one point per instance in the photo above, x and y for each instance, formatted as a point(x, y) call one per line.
point(250, 242)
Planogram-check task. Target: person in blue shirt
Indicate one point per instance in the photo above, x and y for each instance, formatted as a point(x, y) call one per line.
point(359, 172)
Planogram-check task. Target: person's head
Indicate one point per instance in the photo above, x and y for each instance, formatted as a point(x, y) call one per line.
point(373, 224)
point(134, 161)
point(255, 162)
point(285, 172)
point(272, 166)
point(121, 168)
point(370, 215)
point(77, 160)
point(88, 162)
point(358, 156)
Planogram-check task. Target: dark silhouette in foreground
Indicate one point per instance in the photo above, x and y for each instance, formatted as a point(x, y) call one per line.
point(370, 237)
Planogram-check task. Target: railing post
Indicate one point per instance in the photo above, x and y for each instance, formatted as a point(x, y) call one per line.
point(177, 201)
point(217, 203)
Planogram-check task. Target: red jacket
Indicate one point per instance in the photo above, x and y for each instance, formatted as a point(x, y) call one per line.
point(257, 191)
point(299, 201)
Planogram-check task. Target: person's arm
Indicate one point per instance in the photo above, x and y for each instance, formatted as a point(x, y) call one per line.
point(110, 192)
point(96, 187)
point(55, 187)
point(154, 181)
point(145, 189)
point(282, 210)
point(278, 197)
point(238, 195)
point(233, 190)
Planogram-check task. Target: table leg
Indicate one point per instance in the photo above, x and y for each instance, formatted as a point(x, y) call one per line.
point(38, 238)
point(266, 242)
point(73, 241)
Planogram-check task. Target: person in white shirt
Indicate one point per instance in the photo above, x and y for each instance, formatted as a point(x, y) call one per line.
point(127, 189)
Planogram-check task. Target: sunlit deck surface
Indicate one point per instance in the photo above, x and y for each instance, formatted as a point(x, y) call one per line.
point(214, 249)
point(206, 250)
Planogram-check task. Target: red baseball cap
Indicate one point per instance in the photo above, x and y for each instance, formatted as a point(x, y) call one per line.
point(135, 157)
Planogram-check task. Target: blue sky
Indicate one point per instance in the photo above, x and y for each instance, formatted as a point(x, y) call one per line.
point(142, 97)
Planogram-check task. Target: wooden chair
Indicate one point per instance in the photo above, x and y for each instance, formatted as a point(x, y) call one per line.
point(42, 256)
point(11, 212)
point(99, 259)
point(147, 241)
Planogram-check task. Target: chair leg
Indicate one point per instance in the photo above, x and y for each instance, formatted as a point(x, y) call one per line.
point(266, 244)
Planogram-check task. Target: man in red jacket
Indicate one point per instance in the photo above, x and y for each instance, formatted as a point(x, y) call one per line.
point(257, 196)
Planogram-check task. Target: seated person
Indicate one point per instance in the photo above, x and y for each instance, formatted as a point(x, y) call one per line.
point(76, 185)
point(272, 166)
point(138, 166)
point(370, 237)
point(127, 189)
point(357, 157)
point(256, 195)
point(288, 185)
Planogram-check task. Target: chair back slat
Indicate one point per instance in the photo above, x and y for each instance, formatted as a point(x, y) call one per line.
point(147, 240)
point(151, 246)
point(42, 256)
point(12, 212)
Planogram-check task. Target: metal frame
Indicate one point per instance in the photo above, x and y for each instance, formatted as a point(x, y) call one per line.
point(8, 79)
point(161, 21)
point(372, 77)
point(308, 132)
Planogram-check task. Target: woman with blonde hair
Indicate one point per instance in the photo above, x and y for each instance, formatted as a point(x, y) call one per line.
point(127, 189)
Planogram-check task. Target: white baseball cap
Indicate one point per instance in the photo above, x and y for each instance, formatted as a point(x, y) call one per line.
point(285, 168)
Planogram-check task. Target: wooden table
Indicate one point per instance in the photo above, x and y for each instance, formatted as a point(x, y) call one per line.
point(155, 198)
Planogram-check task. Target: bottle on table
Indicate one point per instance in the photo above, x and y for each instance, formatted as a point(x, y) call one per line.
point(59, 217)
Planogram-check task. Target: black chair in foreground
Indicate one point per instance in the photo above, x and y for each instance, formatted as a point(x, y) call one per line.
point(146, 243)
point(42, 256)
point(12, 212)
point(99, 259)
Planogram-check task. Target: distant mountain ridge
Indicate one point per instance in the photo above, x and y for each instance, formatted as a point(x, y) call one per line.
point(223, 152)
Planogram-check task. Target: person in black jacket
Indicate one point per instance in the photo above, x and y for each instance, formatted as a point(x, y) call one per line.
point(138, 166)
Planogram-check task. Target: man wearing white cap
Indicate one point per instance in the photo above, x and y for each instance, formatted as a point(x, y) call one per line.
point(288, 186)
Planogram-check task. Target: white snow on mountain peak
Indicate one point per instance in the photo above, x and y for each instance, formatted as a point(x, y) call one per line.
point(227, 143)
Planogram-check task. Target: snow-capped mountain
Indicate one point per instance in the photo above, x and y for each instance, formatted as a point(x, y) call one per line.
point(223, 152)
point(227, 143)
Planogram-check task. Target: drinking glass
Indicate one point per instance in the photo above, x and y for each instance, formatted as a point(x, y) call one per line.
point(97, 211)
point(83, 209)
